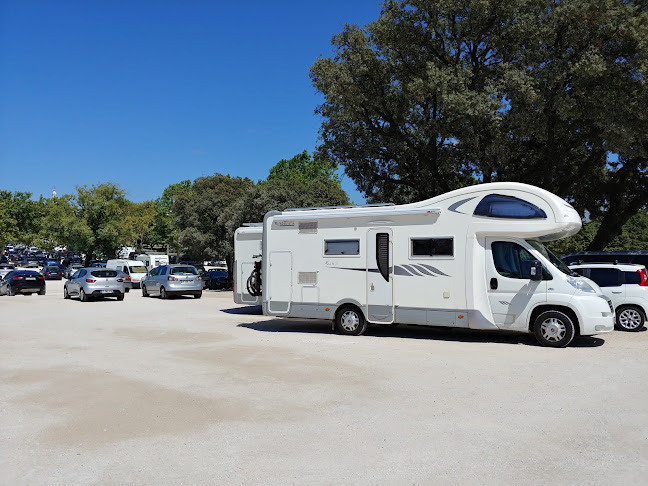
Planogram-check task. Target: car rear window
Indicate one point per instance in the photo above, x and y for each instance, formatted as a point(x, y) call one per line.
point(632, 277)
point(138, 269)
point(183, 271)
point(103, 273)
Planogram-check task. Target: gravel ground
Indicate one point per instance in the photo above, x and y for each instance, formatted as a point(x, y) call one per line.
point(189, 391)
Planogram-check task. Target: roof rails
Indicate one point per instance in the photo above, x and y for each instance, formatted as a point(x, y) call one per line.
point(348, 206)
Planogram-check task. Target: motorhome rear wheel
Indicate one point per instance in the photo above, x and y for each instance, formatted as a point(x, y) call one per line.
point(349, 320)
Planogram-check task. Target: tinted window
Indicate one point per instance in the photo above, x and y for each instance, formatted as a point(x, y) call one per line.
point(511, 260)
point(632, 277)
point(138, 269)
point(163, 270)
point(498, 206)
point(342, 247)
point(606, 277)
point(154, 272)
point(82, 273)
point(104, 273)
point(432, 247)
point(183, 271)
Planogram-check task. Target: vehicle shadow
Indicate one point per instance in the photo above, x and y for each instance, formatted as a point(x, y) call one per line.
point(417, 332)
point(253, 310)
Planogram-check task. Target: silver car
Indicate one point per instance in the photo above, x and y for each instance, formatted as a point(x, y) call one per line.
point(91, 283)
point(168, 280)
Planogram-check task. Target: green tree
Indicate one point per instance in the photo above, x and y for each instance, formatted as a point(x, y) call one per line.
point(140, 220)
point(21, 220)
point(303, 168)
point(202, 215)
point(165, 230)
point(438, 94)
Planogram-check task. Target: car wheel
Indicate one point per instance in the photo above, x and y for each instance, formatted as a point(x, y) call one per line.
point(144, 291)
point(120, 297)
point(163, 293)
point(198, 296)
point(41, 292)
point(66, 295)
point(554, 329)
point(630, 318)
point(126, 290)
point(350, 320)
point(82, 296)
point(10, 290)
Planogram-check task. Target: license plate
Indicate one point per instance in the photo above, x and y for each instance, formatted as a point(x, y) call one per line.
point(106, 291)
point(30, 278)
point(187, 281)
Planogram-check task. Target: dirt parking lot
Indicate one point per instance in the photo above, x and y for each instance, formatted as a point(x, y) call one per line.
point(185, 391)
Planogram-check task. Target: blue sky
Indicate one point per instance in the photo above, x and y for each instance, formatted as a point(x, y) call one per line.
point(146, 93)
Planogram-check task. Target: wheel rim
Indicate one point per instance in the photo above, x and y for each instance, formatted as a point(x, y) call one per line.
point(144, 290)
point(629, 319)
point(350, 321)
point(553, 329)
point(163, 293)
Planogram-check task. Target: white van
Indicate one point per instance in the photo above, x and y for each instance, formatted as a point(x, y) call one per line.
point(152, 261)
point(471, 258)
point(247, 254)
point(135, 271)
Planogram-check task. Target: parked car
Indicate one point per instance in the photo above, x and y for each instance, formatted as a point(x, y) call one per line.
point(94, 283)
point(52, 272)
point(73, 267)
point(168, 280)
point(5, 268)
point(620, 256)
point(29, 262)
point(217, 279)
point(22, 282)
point(626, 285)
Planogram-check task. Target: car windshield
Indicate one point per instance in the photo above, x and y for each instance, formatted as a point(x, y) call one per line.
point(557, 262)
point(137, 269)
point(183, 271)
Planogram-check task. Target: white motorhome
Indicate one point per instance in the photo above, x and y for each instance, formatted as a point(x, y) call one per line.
point(471, 258)
point(152, 261)
point(247, 254)
point(135, 271)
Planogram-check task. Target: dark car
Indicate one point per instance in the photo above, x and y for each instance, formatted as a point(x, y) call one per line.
point(217, 279)
point(22, 282)
point(52, 272)
point(29, 262)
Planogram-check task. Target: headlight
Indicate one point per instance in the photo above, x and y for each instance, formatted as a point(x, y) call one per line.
point(581, 284)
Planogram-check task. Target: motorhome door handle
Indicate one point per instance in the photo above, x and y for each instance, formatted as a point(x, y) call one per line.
point(493, 283)
point(617, 291)
point(372, 287)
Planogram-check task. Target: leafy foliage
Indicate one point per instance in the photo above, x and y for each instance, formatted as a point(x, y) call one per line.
point(303, 168)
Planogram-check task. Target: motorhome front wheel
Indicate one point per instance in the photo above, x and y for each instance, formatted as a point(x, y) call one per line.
point(554, 329)
point(349, 320)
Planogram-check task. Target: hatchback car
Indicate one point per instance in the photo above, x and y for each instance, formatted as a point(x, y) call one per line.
point(626, 285)
point(217, 279)
point(52, 272)
point(69, 271)
point(22, 282)
point(94, 283)
point(168, 280)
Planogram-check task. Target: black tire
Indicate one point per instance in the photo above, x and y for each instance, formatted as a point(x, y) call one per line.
point(144, 291)
point(163, 293)
point(82, 296)
point(349, 320)
point(198, 296)
point(126, 290)
point(554, 329)
point(120, 297)
point(10, 290)
point(630, 318)
point(65, 293)
point(41, 292)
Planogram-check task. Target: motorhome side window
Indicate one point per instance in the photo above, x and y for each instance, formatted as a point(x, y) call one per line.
point(432, 246)
point(341, 247)
point(511, 260)
point(499, 206)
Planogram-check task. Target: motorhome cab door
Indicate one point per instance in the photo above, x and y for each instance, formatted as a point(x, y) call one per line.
point(380, 281)
point(511, 292)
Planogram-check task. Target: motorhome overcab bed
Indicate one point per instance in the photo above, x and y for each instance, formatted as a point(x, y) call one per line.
point(471, 258)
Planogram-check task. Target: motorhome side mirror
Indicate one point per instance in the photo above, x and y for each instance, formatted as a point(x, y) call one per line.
point(536, 271)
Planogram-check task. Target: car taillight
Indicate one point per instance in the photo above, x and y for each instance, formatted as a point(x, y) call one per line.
point(17, 278)
point(644, 277)
point(175, 279)
point(90, 280)
point(198, 277)
point(40, 277)
point(128, 279)
point(120, 279)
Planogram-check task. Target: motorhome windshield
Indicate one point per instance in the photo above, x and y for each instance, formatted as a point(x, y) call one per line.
point(557, 262)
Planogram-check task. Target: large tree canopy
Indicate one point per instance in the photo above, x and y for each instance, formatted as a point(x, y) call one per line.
point(435, 95)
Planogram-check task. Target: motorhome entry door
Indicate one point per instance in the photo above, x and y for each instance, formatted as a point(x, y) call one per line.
point(380, 278)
